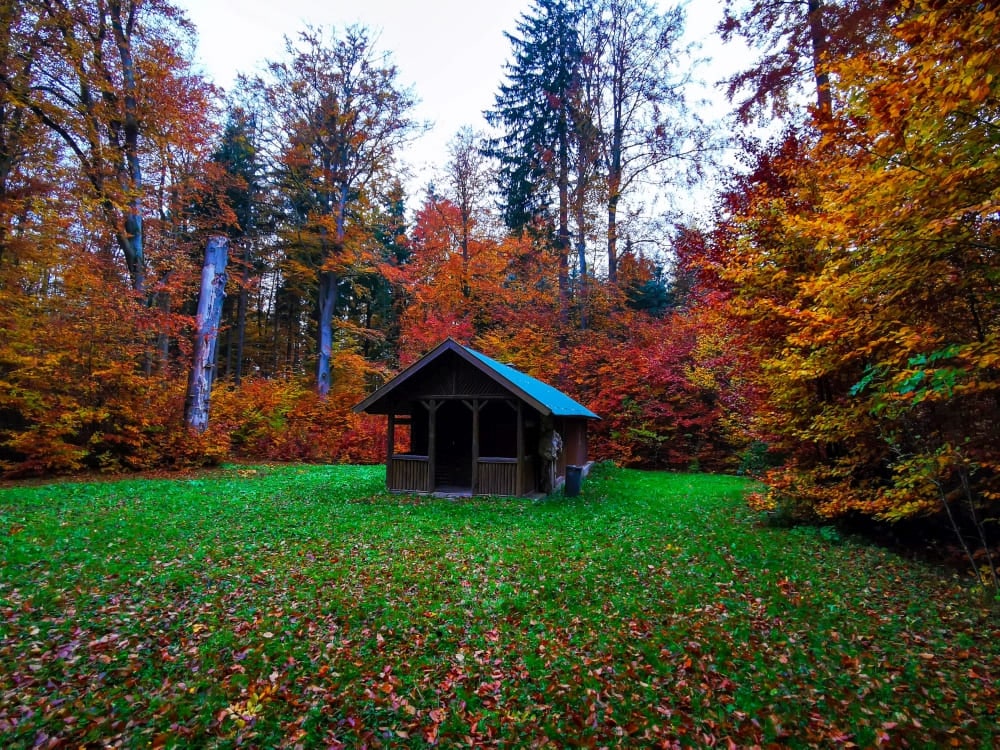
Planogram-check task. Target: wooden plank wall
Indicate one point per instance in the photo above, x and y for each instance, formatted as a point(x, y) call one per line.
point(497, 476)
point(409, 474)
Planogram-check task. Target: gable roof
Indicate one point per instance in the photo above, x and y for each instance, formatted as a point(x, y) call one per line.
point(542, 396)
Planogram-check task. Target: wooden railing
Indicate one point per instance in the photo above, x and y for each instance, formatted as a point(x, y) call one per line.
point(409, 473)
point(497, 476)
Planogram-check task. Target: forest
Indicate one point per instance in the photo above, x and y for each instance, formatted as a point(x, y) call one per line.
point(829, 326)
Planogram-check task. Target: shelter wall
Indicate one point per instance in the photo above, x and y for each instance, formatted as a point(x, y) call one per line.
point(574, 436)
point(449, 377)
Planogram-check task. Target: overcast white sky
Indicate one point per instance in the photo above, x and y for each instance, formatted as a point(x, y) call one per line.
point(451, 52)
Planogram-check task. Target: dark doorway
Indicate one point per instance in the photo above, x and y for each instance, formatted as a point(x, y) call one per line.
point(453, 448)
point(498, 430)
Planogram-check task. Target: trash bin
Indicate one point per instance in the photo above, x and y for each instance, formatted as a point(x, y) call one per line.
point(574, 477)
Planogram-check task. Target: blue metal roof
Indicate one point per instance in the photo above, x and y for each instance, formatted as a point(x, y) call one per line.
point(541, 396)
point(557, 402)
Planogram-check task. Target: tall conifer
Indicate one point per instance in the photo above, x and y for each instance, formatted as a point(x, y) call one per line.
point(534, 116)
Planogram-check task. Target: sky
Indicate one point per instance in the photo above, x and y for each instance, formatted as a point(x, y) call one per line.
point(450, 52)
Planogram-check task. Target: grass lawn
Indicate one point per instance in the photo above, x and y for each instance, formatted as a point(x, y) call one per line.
point(304, 606)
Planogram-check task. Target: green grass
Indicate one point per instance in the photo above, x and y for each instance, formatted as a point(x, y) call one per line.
point(302, 605)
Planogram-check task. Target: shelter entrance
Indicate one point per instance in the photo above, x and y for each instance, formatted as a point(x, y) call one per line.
point(453, 448)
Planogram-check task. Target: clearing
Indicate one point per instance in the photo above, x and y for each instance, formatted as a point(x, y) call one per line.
point(276, 606)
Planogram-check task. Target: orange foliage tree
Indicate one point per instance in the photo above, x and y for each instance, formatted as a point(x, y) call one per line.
point(108, 189)
point(864, 264)
point(661, 396)
point(459, 283)
point(668, 394)
point(284, 419)
point(339, 116)
point(98, 99)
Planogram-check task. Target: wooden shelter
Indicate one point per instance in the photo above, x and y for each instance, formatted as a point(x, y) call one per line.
point(462, 423)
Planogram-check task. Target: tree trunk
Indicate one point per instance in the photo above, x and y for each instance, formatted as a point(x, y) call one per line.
point(581, 246)
point(328, 281)
point(162, 338)
point(562, 239)
point(327, 303)
point(817, 36)
point(614, 190)
point(132, 240)
point(241, 320)
point(213, 292)
point(613, 240)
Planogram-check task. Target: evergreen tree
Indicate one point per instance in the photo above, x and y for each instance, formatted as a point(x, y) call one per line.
point(377, 296)
point(534, 112)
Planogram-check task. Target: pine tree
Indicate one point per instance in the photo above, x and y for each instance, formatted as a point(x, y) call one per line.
point(534, 113)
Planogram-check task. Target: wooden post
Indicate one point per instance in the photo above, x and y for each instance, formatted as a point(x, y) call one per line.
point(391, 441)
point(475, 405)
point(213, 292)
point(432, 407)
point(475, 445)
point(520, 450)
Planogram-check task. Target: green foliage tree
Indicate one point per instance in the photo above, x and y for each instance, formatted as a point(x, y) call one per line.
point(535, 113)
point(238, 154)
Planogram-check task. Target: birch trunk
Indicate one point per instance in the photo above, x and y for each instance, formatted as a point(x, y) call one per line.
point(213, 292)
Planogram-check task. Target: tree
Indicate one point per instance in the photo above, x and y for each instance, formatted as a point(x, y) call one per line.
point(909, 217)
point(534, 112)
point(13, 81)
point(863, 263)
point(442, 300)
point(797, 41)
point(238, 154)
point(660, 405)
point(468, 179)
point(25, 146)
point(639, 108)
point(341, 116)
point(102, 119)
point(213, 291)
point(374, 299)
point(111, 75)
point(585, 168)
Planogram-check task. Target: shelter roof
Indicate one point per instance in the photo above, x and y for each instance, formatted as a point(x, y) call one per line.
point(542, 396)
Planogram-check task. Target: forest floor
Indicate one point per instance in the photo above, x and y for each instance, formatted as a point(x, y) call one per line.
point(304, 606)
